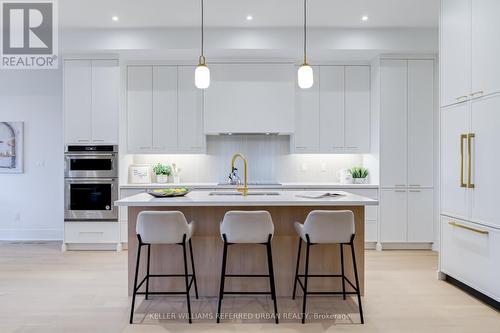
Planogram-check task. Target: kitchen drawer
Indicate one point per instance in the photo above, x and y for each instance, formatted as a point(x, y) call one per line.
point(91, 232)
point(366, 192)
point(472, 255)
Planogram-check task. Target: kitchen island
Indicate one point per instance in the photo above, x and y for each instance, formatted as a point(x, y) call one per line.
point(207, 209)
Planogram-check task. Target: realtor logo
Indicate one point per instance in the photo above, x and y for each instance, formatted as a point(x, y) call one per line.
point(29, 34)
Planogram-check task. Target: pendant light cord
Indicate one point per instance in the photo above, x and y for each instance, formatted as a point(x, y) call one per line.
point(202, 26)
point(305, 31)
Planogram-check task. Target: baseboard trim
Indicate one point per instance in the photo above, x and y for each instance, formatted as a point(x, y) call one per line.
point(406, 246)
point(31, 234)
point(473, 292)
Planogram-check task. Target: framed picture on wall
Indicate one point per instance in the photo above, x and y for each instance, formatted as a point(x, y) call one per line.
point(11, 147)
point(139, 174)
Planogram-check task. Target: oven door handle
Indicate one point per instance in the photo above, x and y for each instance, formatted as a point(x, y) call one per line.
point(90, 155)
point(111, 181)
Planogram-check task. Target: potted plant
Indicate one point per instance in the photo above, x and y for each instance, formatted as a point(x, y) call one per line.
point(359, 175)
point(162, 171)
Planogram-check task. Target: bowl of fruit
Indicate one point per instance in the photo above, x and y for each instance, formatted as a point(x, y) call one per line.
point(169, 192)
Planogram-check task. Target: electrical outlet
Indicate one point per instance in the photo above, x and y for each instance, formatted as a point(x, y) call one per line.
point(303, 167)
point(323, 167)
point(17, 217)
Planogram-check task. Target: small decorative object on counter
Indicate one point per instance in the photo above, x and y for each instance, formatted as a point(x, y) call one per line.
point(169, 192)
point(175, 173)
point(359, 175)
point(162, 171)
point(344, 176)
point(139, 174)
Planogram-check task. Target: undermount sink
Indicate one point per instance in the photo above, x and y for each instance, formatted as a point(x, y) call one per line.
point(241, 194)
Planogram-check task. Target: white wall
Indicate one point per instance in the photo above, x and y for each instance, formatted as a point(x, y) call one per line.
point(31, 203)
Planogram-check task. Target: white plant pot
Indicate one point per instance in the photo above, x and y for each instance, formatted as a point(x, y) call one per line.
point(161, 179)
point(360, 180)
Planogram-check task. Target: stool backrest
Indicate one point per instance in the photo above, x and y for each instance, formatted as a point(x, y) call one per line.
point(160, 227)
point(329, 226)
point(247, 226)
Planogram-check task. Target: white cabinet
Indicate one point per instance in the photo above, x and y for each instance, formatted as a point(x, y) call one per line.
point(91, 101)
point(140, 108)
point(393, 215)
point(191, 138)
point(334, 115)
point(420, 227)
point(454, 51)
point(307, 124)
point(485, 48)
point(393, 122)
point(453, 153)
point(250, 98)
point(165, 110)
point(470, 253)
point(421, 123)
point(406, 215)
point(469, 49)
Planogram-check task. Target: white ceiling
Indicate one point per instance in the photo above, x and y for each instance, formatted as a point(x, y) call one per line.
point(232, 13)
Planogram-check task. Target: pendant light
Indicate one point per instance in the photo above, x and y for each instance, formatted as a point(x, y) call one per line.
point(305, 75)
point(202, 72)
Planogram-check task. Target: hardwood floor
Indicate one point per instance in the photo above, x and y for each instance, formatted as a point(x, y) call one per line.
point(44, 290)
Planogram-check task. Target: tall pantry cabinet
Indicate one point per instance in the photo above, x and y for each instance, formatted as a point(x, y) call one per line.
point(470, 132)
point(406, 104)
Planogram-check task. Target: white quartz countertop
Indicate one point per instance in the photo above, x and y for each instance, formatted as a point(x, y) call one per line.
point(296, 185)
point(280, 198)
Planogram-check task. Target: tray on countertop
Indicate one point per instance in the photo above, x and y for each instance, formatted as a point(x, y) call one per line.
point(168, 192)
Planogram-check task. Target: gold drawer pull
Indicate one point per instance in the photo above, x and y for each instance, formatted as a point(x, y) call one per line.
point(479, 231)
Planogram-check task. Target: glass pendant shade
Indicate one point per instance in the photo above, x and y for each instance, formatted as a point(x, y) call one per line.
point(305, 76)
point(202, 76)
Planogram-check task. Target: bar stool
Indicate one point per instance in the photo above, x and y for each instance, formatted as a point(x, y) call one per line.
point(327, 227)
point(247, 227)
point(160, 227)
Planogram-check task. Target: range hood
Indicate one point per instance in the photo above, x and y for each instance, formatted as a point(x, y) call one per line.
point(250, 99)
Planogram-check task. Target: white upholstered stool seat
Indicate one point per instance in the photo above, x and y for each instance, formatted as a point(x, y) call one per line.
point(327, 227)
point(163, 227)
point(247, 227)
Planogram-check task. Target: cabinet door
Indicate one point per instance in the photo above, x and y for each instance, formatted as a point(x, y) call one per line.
point(393, 215)
point(165, 108)
point(331, 85)
point(485, 159)
point(455, 51)
point(421, 123)
point(421, 215)
point(140, 108)
point(393, 123)
point(485, 47)
point(454, 123)
point(77, 101)
point(191, 138)
point(306, 136)
point(357, 109)
point(105, 101)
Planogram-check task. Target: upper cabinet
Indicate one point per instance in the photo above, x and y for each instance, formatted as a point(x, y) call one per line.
point(250, 98)
point(407, 123)
point(91, 101)
point(334, 115)
point(469, 49)
point(164, 110)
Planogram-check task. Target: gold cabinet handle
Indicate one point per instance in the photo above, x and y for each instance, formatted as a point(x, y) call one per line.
point(480, 92)
point(462, 98)
point(462, 138)
point(458, 225)
point(470, 136)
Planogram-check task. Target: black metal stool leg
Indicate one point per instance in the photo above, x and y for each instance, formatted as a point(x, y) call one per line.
point(297, 269)
point(306, 273)
point(147, 271)
point(342, 268)
point(192, 268)
point(358, 293)
point(271, 278)
point(134, 292)
point(223, 277)
point(186, 277)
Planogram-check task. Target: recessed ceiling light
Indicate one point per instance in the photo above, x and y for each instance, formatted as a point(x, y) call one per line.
point(364, 18)
point(115, 18)
point(249, 17)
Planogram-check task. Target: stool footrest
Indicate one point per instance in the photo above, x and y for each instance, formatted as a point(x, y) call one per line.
point(163, 275)
point(246, 275)
point(327, 292)
point(247, 293)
